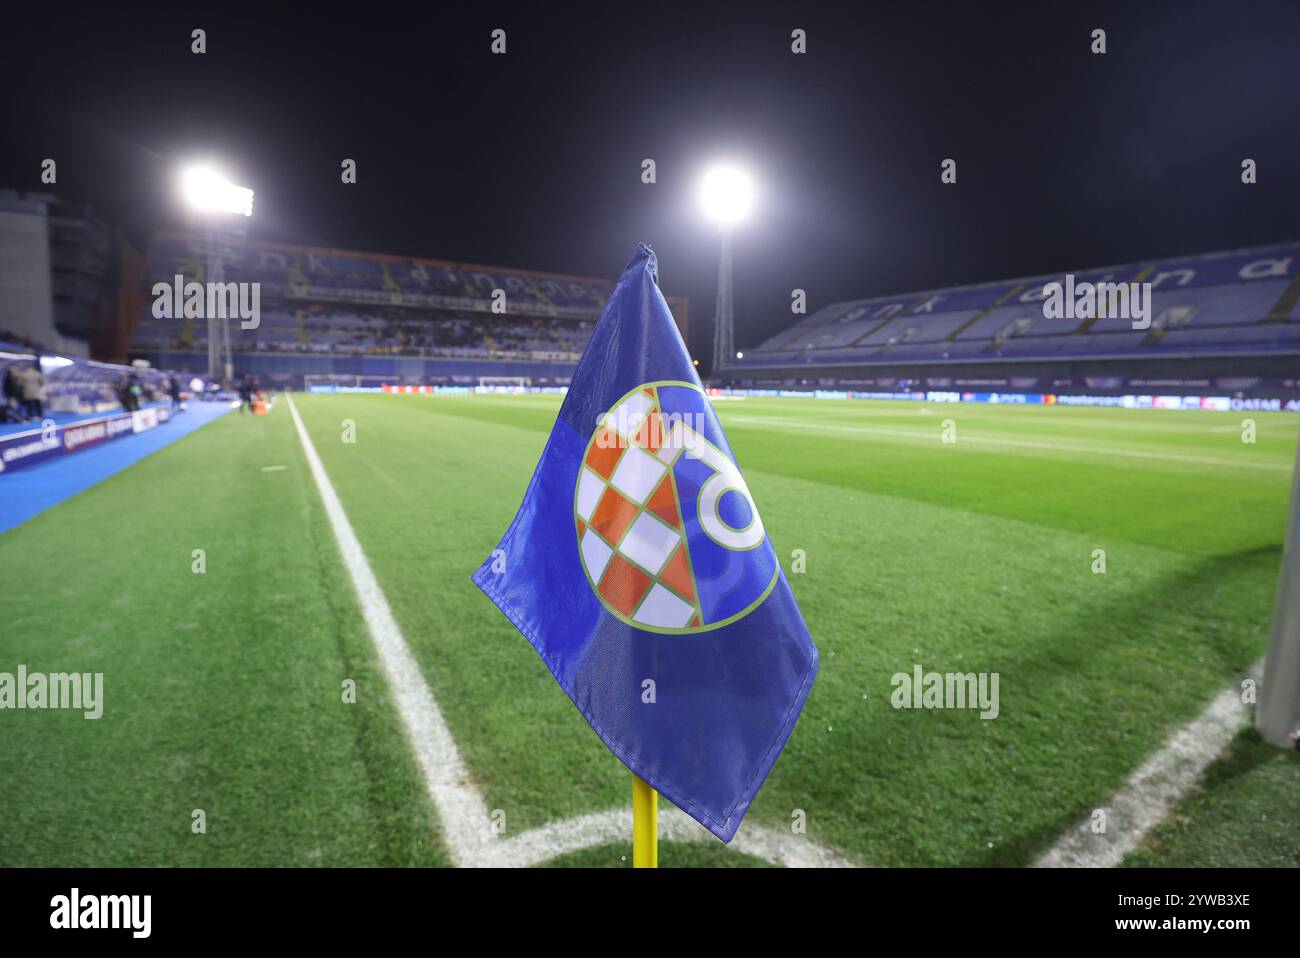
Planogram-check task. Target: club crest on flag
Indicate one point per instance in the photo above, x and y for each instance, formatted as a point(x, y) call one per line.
point(668, 533)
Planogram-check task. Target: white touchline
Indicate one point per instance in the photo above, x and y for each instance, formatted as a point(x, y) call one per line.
point(464, 817)
point(1153, 790)
point(466, 823)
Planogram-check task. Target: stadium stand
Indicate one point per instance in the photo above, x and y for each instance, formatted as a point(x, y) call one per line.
point(1225, 316)
point(332, 312)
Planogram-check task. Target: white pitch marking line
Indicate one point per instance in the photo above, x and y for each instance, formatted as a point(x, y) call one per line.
point(790, 425)
point(471, 840)
point(1155, 788)
point(464, 816)
point(614, 827)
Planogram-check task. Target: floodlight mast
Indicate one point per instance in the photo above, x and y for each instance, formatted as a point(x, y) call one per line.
point(213, 274)
point(724, 322)
point(726, 195)
point(218, 201)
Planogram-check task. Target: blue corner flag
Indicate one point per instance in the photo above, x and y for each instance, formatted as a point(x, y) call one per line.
point(639, 569)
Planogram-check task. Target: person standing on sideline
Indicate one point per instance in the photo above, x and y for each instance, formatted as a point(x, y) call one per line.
point(34, 391)
point(133, 392)
point(174, 390)
point(245, 395)
point(13, 395)
point(123, 389)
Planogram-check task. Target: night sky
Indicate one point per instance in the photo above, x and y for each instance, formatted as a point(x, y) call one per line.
point(533, 159)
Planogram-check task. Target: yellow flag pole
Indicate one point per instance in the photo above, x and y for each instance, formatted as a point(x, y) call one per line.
point(645, 825)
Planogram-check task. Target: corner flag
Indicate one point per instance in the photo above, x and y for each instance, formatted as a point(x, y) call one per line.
point(639, 569)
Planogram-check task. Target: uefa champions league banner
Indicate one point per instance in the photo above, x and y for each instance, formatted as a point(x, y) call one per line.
point(49, 440)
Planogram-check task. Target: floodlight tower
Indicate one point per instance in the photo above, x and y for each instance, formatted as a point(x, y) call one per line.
point(222, 207)
point(726, 194)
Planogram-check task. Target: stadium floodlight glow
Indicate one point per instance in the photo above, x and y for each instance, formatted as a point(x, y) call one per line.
point(207, 191)
point(727, 195)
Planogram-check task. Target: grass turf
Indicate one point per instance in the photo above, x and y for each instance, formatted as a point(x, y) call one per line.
point(971, 556)
point(671, 854)
point(975, 556)
point(1234, 816)
point(222, 690)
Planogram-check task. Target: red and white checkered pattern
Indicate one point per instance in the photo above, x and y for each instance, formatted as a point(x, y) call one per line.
point(629, 525)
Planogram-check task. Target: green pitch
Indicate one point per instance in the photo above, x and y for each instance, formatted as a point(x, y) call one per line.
point(224, 690)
